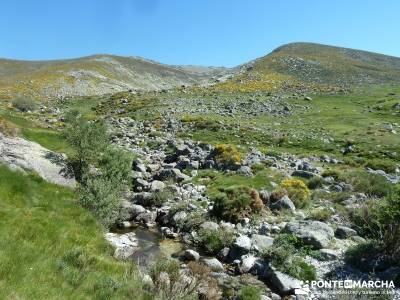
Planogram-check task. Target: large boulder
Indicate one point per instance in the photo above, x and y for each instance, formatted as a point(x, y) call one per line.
point(283, 203)
point(214, 264)
point(314, 233)
point(22, 154)
point(246, 264)
point(283, 283)
point(124, 244)
point(261, 242)
point(241, 246)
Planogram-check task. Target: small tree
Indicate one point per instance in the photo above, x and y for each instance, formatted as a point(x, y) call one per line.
point(88, 139)
point(102, 170)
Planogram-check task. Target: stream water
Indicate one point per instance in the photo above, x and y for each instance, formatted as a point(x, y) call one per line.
point(152, 246)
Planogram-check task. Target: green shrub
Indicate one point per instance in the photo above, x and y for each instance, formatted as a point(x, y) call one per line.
point(160, 197)
point(277, 195)
point(105, 288)
point(315, 182)
point(236, 202)
point(363, 255)
point(101, 170)
point(24, 104)
point(380, 222)
point(286, 255)
point(381, 164)
point(88, 139)
point(214, 240)
point(331, 173)
point(369, 183)
point(249, 293)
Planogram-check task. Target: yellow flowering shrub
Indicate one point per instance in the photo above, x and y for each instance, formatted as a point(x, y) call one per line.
point(297, 191)
point(227, 155)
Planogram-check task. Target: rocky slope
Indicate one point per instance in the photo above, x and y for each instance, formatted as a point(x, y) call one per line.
point(297, 66)
point(315, 66)
point(96, 75)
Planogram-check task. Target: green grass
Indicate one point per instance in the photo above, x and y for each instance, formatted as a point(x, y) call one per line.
point(50, 248)
point(217, 180)
point(32, 131)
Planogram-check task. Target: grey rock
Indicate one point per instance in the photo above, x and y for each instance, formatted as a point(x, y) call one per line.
point(284, 283)
point(124, 244)
point(142, 198)
point(304, 174)
point(314, 233)
point(139, 167)
point(137, 209)
point(247, 263)
point(245, 170)
point(241, 246)
point(261, 242)
point(209, 225)
point(329, 254)
point(147, 217)
point(214, 264)
point(157, 186)
point(243, 243)
point(25, 155)
point(192, 255)
point(284, 202)
point(343, 232)
point(179, 217)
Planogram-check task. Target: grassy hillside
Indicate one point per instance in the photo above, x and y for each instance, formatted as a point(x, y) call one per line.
point(307, 66)
point(50, 248)
point(94, 75)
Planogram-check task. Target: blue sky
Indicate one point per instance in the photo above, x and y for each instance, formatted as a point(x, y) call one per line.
point(203, 32)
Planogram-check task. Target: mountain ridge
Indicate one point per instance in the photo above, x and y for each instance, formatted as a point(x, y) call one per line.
point(294, 66)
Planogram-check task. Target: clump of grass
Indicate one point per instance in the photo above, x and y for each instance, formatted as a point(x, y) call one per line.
point(315, 182)
point(380, 222)
point(214, 240)
point(381, 164)
point(321, 214)
point(368, 183)
point(286, 254)
point(249, 293)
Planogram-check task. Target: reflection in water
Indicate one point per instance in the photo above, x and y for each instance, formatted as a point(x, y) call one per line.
point(153, 247)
